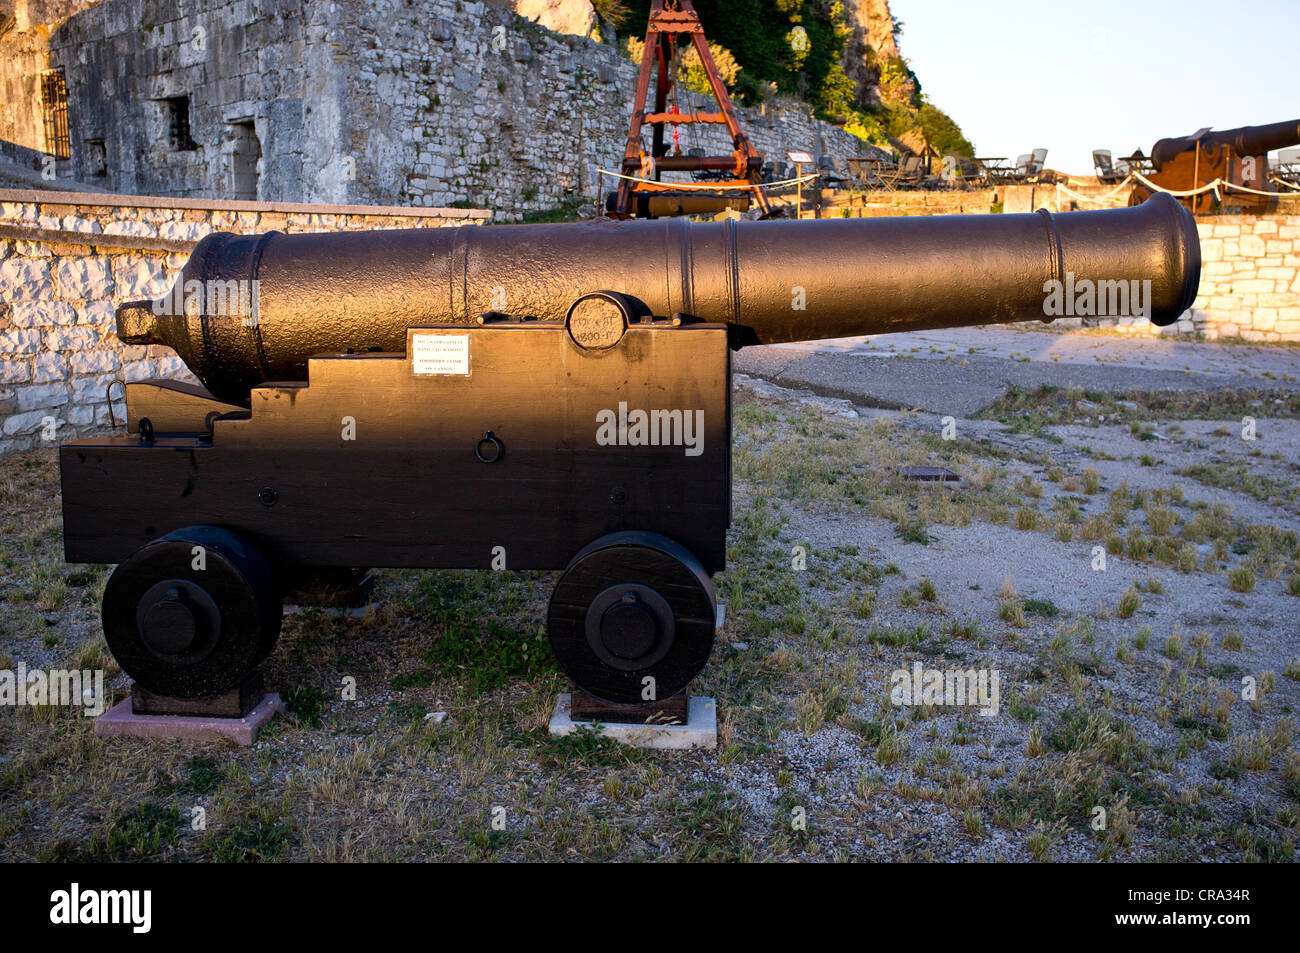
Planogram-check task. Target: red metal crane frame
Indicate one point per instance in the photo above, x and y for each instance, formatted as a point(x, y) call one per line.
point(670, 19)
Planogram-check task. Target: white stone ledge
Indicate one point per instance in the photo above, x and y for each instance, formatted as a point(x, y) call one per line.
point(104, 199)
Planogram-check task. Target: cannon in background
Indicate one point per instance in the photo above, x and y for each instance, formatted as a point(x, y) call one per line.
point(519, 397)
point(1238, 156)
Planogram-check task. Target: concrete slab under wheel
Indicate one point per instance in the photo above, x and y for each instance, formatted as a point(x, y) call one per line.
point(700, 730)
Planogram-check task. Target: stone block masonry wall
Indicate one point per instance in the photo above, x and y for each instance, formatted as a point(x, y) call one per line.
point(891, 204)
point(1250, 278)
point(60, 283)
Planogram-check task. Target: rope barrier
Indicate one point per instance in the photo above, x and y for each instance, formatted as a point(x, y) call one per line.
point(1211, 187)
point(715, 188)
point(1098, 199)
point(1216, 186)
point(1119, 188)
point(1242, 188)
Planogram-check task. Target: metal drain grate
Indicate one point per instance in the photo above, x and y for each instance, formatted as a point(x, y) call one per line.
point(930, 475)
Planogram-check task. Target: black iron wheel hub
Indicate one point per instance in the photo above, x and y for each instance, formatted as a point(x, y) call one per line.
point(178, 620)
point(630, 626)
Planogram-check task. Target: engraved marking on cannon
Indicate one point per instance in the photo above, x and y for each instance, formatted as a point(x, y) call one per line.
point(598, 321)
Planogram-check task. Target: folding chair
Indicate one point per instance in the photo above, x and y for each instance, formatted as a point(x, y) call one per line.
point(1101, 162)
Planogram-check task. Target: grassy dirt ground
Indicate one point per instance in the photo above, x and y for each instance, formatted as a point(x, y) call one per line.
point(1128, 564)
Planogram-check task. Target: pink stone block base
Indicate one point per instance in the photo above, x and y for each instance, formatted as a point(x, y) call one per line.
point(120, 721)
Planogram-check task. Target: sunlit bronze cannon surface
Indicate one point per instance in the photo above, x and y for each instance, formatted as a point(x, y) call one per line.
point(513, 397)
point(1237, 156)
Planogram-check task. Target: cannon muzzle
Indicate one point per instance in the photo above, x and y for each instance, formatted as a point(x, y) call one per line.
point(1244, 141)
point(253, 308)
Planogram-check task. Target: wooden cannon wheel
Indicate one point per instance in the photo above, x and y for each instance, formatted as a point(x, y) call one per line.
point(631, 619)
point(192, 614)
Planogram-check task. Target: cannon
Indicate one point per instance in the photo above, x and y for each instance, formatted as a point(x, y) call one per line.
point(547, 397)
point(1237, 156)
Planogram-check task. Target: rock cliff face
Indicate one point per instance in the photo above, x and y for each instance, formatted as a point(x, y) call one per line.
point(871, 56)
point(573, 17)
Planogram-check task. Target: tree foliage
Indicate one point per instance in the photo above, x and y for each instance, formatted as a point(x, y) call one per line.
point(613, 10)
point(692, 74)
point(756, 32)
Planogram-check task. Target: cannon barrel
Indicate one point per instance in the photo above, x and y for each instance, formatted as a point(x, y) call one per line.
point(771, 281)
point(1245, 141)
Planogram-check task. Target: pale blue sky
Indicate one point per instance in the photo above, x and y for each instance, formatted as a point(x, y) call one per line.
point(1115, 74)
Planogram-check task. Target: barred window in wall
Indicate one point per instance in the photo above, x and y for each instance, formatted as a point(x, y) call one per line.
point(178, 124)
point(54, 102)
